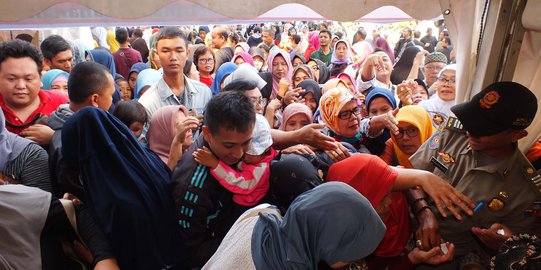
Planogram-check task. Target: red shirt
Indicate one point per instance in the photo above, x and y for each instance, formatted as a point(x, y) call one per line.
point(206, 81)
point(49, 102)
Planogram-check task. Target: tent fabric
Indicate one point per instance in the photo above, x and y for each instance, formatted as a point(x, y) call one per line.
point(48, 13)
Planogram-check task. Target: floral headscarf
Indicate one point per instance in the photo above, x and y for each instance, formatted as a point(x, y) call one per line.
point(331, 103)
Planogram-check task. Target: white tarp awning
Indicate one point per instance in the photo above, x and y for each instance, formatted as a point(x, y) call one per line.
point(62, 13)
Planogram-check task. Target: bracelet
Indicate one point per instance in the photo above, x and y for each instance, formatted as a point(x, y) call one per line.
point(421, 209)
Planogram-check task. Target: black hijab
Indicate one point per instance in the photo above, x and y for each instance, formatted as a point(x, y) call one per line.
point(402, 68)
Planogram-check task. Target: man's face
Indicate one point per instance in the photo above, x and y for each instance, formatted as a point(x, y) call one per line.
point(19, 81)
point(493, 143)
point(202, 34)
point(385, 71)
point(217, 40)
point(406, 33)
point(431, 71)
point(62, 60)
point(255, 97)
point(172, 54)
point(324, 39)
point(229, 146)
point(105, 100)
point(268, 39)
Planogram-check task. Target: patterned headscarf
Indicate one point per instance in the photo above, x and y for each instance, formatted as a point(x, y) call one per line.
point(330, 105)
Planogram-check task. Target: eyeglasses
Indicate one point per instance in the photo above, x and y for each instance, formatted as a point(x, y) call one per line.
point(345, 115)
point(411, 131)
point(206, 60)
point(258, 101)
point(431, 68)
point(443, 80)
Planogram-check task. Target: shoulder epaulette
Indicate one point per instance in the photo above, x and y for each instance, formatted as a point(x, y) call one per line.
point(454, 124)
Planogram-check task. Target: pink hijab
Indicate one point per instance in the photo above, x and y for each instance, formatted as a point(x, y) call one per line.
point(162, 130)
point(276, 80)
point(245, 56)
point(294, 109)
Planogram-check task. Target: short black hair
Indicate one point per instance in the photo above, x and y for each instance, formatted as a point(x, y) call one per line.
point(231, 110)
point(86, 79)
point(121, 35)
point(199, 52)
point(138, 33)
point(233, 37)
point(170, 33)
point(130, 111)
point(25, 37)
point(325, 31)
point(20, 49)
point(447, 40)
point(52, 45)
point(257, 29)
point(264, 47)
point(297, 39)
point(270, 31)
point(240, 85)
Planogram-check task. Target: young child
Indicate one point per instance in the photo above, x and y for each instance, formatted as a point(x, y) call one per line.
point(249, 182)
point(134, 116)
point(125, 89)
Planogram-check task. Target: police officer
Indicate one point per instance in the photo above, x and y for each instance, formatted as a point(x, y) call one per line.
point(477, 153)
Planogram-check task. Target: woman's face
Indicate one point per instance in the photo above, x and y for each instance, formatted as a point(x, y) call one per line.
point(125, 90)
point(239, 61)
point(310, 101)
point(299, 76)
point(205, 63)
point(258, 62)
point(446, 85)
point(60, 86)
point(315, 69)
point(188, 140)
point(279, 67)
point(341, 51)
point(296, 62)
point(349, 83)
point(296, 122)
point(132, 79)
point(349, 127)
point(379, 106)
point(419, 94)
point(408, 140)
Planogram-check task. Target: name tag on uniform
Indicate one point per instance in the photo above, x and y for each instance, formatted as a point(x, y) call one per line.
point(439, 165)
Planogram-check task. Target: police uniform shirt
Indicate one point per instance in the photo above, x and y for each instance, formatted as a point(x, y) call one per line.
point(506, 187)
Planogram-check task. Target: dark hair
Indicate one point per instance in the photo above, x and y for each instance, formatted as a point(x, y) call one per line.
point(187, 67)
point(120, 79)
point(381, 50)
point(240, 85)
point(325, 31)
point(223, 55)
point(170, 33)
point(447, 40)
point(270, 31)
point(199, 52)
point(130, 111)
point(121, 35)
point(257, 29)
point(264, 47)
point(417, 34)
point(233, 37)
point(231, 110)
point(423, 84)
point(19, 49)
point(138, 33)
point(86, 79)
point(361, 33)
point(25, 37)
point(297, 39)
point(52, 45)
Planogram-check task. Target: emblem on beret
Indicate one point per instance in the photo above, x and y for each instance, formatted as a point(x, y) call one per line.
point(490, 98)
point(496, 205)
point(446, 157)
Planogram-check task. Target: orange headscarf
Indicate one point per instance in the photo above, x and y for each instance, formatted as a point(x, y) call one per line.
point(330, 105)
point(418, 117)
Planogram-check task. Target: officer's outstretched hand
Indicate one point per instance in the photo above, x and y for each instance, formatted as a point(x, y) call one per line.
point(494, 236)
point(446, 197)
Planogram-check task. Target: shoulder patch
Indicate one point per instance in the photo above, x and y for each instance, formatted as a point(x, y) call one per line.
point(454, 124)
point(434, 142)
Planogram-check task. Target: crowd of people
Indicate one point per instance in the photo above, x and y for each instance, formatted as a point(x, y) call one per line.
point(288, 146)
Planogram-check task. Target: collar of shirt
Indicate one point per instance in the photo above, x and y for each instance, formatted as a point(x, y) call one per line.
point(164, 91)
point(502, 167)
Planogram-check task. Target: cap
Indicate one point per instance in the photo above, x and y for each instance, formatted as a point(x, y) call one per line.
point(435, 57)
point(261, 138)
point(500, 106)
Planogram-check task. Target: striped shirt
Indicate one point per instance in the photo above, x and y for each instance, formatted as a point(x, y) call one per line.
point(31, 168)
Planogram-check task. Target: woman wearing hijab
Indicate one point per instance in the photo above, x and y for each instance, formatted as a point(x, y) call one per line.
point(126, 186)
point(279, 65)
point(242, 58)
point(56, 80)
point(403, 66)
point(170, 133)
point(331, 224)
point(297, 60)
point(105, 58)
point(321, 72)
point(341, 58)
point(379, 101)
point(242, 47)
point(22, 160)
point(145, 79)
point(439, 105)
point(384, 45)
point(333, 83)
point(312, 94)
point(313, 44)
point(134, 72)
point(301, 73)
point(414, 129)
point(258, 56)
point(221, 74)
point(349, 80)
point(380, 183)
point(295, 116)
